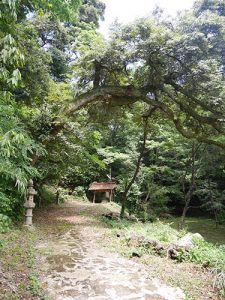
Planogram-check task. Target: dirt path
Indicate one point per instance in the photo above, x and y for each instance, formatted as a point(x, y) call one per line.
point(78, 268)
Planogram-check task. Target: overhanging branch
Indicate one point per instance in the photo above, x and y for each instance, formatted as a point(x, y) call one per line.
point(128, 95)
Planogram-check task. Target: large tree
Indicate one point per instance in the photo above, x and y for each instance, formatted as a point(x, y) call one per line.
point(28, 67)
point(173, 66)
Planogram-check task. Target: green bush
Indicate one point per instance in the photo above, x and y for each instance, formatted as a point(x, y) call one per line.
point(34, 285)
point(46, 195)
point(208, 254)
point(212, 256)
point(221, 217)
point(5, 223)
point(11, 203)
point(80, 192)
point(145, 216)
point(6, 204)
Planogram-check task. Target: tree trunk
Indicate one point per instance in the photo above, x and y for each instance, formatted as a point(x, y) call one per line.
point(189, 194)
point(211, 200)
point(57, 197)
point(138, 164)
point(188, 197)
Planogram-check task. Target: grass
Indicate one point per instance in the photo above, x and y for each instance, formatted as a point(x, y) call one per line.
point(203, 254)
point(17, 263)
point(157, 231)
point(205, 226)
point(19, 260)
point(203, 251)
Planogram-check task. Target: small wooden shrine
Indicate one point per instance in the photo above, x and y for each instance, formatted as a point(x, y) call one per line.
point(103, 187)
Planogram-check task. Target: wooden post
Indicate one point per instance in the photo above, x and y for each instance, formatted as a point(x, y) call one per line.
point(110, 196)
point(94, 197)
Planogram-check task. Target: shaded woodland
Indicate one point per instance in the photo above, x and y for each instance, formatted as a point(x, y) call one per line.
point(144, 108)
point(145, 105)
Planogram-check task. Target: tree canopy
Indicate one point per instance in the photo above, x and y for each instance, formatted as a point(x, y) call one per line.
point(174, 66)
point(74, 104)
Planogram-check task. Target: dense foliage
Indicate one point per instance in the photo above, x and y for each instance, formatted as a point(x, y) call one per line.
point(145, 107)
point(36, 51)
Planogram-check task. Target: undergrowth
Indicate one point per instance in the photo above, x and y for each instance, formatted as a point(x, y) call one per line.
point(157, 231)
point(17, 259)
point(204, 253)
point(5, 223)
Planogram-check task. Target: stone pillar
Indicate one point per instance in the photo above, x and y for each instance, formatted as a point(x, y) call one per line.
point(29, 204)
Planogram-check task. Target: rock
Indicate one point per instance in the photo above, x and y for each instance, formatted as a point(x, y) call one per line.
point(132, 239)
point(197, 236)
point(132, 218)
point(148, 243)
point(187, 241)
point(112, 216)
point(206, 264)
point(171, 251)
point(135, 254)
point(165, 216)
point(159, 247)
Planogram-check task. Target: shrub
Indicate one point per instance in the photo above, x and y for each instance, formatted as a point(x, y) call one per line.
point(145, 216)
point(46, 195)
point(5, 223)
point(80, 192)
point(221, 217)
point(208, 254)
point(6, 204)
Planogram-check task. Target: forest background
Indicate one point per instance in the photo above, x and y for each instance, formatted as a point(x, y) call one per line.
point(144, 107)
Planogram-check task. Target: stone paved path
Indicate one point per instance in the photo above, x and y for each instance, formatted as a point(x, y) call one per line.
point(79, 269)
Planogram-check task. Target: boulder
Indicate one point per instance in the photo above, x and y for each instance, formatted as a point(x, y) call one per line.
point(112, 216)
point(187, 241)
point(165, 216)
point(132, 218)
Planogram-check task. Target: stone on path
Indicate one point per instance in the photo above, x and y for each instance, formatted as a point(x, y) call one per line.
point(80, 269)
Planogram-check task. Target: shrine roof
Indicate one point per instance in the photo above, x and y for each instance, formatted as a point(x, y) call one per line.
point(101, 186)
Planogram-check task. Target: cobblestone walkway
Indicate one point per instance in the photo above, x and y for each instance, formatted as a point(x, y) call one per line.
point(79, 269)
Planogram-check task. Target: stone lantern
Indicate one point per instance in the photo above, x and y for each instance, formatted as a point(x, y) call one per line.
point(29, 204)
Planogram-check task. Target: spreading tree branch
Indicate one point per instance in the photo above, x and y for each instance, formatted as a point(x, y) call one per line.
point(127, 94)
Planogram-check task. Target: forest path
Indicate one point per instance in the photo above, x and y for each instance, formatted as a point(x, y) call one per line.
point(78, 268)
